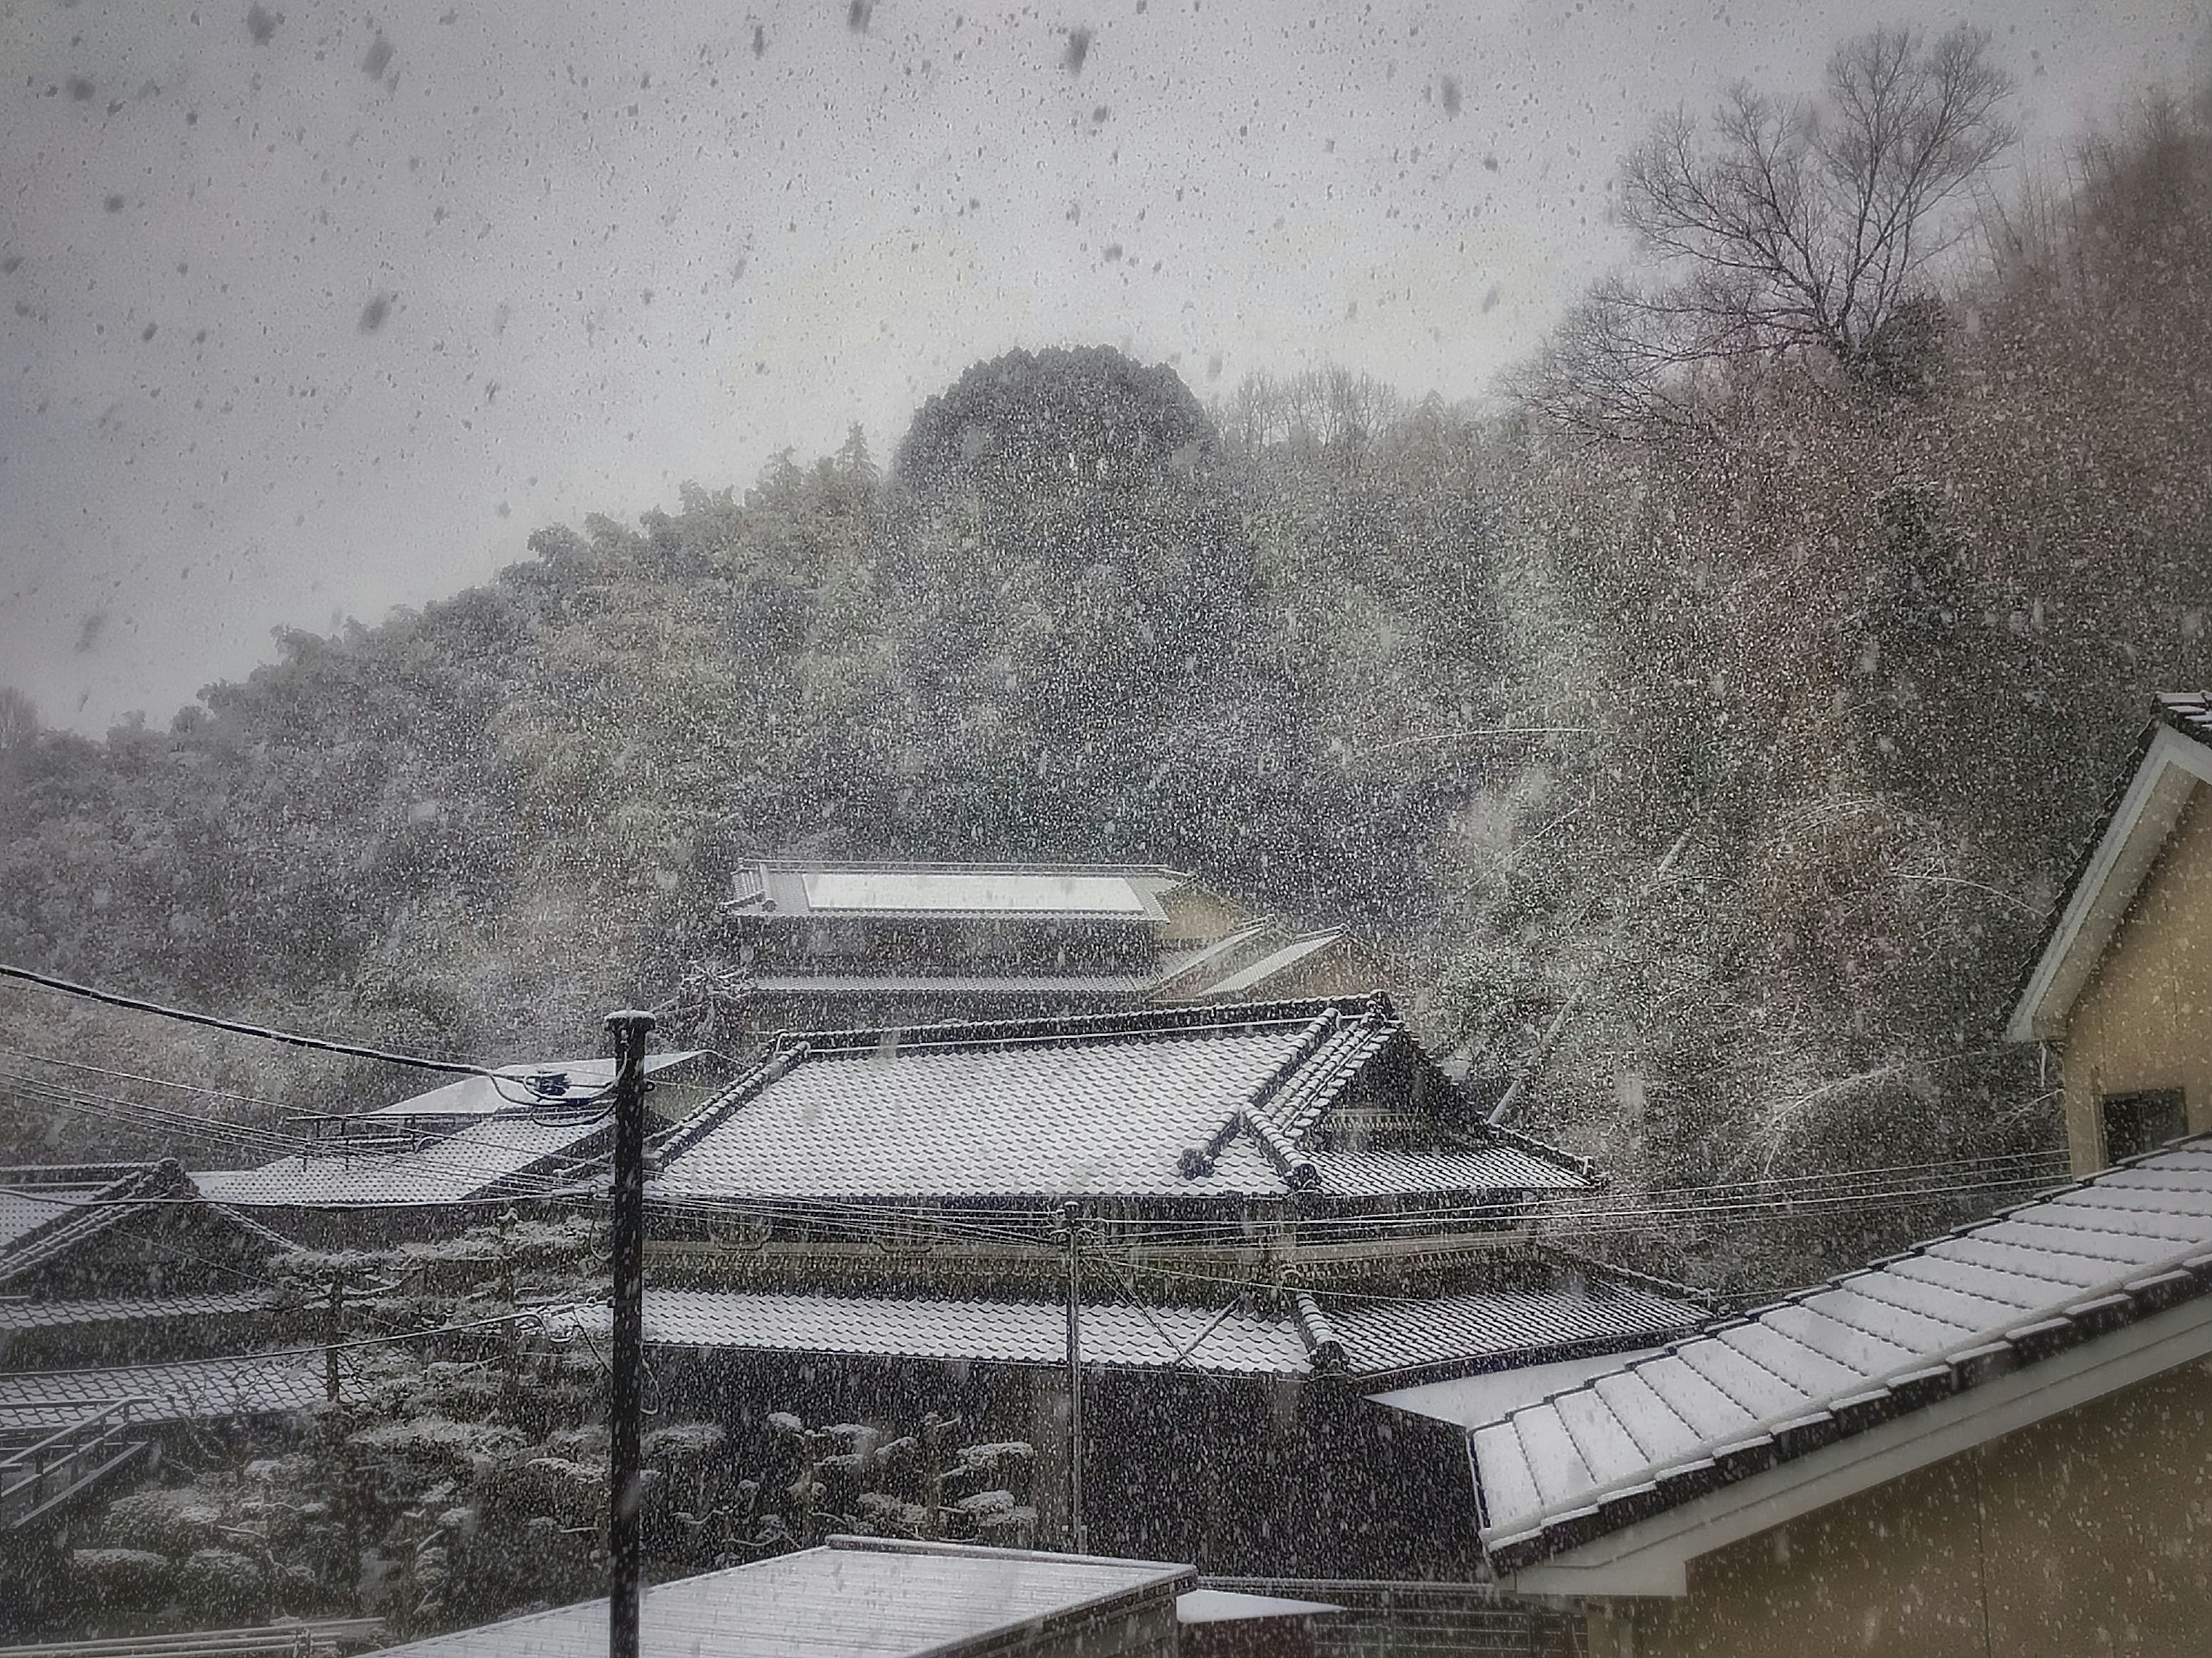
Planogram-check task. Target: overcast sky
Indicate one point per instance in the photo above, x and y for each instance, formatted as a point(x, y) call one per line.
point(307, 312)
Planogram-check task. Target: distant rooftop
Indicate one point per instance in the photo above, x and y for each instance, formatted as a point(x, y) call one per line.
point(1092, 892)
point(521, 1087)
point(855, 1597)
point(500, 1156)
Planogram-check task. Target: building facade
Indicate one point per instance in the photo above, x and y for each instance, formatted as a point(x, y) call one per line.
point(2121, 991)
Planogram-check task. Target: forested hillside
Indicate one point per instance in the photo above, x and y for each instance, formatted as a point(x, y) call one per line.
point(1725, 763)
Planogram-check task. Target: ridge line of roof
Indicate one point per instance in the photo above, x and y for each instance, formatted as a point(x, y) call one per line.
point(1131, 1022)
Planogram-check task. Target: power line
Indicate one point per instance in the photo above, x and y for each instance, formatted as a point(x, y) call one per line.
point(137, 1077)
point(266, 1033)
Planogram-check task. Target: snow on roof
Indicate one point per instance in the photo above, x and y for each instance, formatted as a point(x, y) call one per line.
point(519, 1090)
point(46, 1214)
point(852, 1598)
point(1180, 1103)
point(1940, 1320)
point(1359, 1335)
point(1070, 891)
point(258, 1384)
point(1246, 979)
point(487, 1157)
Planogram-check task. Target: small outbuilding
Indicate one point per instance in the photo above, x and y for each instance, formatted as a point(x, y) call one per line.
point(868, 1597)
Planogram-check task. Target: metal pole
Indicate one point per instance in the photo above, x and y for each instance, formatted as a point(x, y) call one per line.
point(626, 1228)
point(1074, 1387)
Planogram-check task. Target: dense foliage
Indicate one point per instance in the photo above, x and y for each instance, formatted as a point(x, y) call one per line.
point(1729, 770)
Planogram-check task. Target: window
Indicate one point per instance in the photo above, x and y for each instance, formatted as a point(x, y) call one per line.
point(2135, 1123)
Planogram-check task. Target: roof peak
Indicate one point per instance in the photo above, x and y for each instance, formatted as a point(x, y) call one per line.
point(1133, 1022)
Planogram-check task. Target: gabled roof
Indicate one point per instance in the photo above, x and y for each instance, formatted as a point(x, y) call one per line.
point(45, 1215)
point(1168, 1105)
point(1957, 1325)
point(512, 1155)
point(1361, 1336)
point(855, 1597)
point(2172, 757)
point(797, 889)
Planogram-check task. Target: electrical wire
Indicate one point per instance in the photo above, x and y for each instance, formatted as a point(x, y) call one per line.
point(266, 1033)
point(135, 1076)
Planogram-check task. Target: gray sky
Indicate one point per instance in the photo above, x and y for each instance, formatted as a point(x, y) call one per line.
point(306, 313)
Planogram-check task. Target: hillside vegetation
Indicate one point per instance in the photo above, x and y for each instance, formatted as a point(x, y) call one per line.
point(1729, 764)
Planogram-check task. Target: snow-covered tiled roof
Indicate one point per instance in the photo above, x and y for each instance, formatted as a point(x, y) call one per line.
point(1362, 1335)
point(44, 1215)
point(258, 1384)
point(1383, 1336)
point(1940, 1320)
point(496, 1157)
point(128, 1309)
point(1166, 1103)
point(998, 1331)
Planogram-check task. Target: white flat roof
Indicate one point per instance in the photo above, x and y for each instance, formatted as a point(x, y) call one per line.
point(968, 892)
point(855, 1597)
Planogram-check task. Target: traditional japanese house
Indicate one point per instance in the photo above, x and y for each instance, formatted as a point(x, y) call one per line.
point(2121, 989)
point(826, 944)
point(1239, 1219)
point(1999, 1441)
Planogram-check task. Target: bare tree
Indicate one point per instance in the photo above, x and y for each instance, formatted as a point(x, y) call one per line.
point(1799, 231)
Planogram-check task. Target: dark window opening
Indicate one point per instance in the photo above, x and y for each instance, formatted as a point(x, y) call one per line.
point(2137, 1123)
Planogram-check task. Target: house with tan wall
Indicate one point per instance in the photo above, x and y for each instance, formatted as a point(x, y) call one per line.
point(1998, 1442)
point(2121, 992)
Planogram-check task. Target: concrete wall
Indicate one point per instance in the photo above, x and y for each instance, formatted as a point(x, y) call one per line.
point(2144, 1021)
point(2089, 1533)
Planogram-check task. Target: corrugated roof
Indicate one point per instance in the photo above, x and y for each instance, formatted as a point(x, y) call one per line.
point(1866, 1347)
point(482, 1159)
point(193, 1390)
point(1168, 1103)
point(854, 1597)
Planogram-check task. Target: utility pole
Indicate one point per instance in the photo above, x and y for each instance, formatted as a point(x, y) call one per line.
point(338, 1333)
point(1074, 1386)
point(627, 1237)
